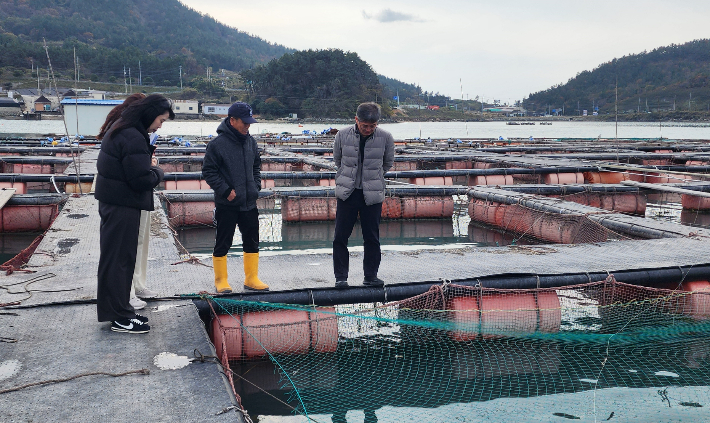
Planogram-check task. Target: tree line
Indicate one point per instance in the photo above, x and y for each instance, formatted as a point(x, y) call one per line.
point(671, 78)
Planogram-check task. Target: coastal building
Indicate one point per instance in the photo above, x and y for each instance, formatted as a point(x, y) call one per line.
point(215, 109)
point(9, 107)
point(42, 104)
point(189, 107)
point(507, 110)
point(31, 95)
point(84, 116)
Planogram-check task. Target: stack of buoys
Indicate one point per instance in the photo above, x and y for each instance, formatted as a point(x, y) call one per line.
point(493, 315)
point(256, 334)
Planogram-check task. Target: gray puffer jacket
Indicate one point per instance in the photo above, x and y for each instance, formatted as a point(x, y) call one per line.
point(378, 159)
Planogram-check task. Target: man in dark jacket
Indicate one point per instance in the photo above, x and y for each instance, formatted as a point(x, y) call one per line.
point(232, 168)
point(362, 154)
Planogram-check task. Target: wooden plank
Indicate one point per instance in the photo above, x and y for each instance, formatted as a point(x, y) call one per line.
point(666, 188)
point(5, 195)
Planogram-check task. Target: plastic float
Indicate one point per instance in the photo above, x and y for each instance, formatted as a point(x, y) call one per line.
point(432, 180)
point(185, 184)
point(494, 315)
point(693, 202)
point(563, 178)
point(252, 334)
point(697, 302)
point(604, 177)
point(312, 209)
point(490, 180)
point(27, 218)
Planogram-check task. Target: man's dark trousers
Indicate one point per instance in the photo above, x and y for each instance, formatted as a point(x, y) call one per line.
point(345, 218)
point(227, 220)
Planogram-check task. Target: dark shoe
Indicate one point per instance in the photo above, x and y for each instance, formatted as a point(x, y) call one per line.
point(373, 282)
point(143, 319)
point(343, 283)
point(129, 326)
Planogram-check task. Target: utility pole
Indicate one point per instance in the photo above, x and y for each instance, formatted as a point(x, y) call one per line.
point(75, 77)
point(616, 109)
point(140, 74)
point(125, 83)
point(180, 77)
point(130, 80)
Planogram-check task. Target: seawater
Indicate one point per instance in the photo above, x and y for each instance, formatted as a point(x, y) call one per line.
point(409, 130)
point(279, 237)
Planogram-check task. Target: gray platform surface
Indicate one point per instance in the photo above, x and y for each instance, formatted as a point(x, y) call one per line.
point(57, 342)
point(64, 340)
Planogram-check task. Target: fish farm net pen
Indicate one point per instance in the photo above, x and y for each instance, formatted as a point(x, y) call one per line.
point(456, 345)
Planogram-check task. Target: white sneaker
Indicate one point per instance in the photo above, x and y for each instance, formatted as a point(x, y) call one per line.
point(146, 293)
point(137, 303)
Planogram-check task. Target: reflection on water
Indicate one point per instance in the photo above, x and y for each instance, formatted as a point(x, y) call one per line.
point(12, 243)
point(277, 235)
point(388, 379)
point(667, 207)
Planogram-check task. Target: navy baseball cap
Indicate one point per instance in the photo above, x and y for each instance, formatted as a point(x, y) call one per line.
point(240, 110)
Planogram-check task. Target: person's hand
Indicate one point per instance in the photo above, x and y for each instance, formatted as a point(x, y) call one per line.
point(154, 161)
point(232, 196)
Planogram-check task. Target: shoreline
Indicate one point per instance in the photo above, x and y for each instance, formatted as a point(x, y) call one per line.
point(637, 118)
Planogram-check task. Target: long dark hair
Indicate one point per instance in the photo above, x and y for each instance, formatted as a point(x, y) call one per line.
point(115, 113)
point(142, 113)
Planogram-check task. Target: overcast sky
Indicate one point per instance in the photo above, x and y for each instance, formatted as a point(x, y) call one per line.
point(501, 50)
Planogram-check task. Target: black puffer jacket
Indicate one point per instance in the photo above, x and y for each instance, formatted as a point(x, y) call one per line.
point(125, 175)
point(233, 164)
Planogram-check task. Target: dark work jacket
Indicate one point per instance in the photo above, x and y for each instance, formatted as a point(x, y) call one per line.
point(125, 175)
point(233, 164)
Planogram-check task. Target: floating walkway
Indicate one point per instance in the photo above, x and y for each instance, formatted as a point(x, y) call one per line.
point(48, 324)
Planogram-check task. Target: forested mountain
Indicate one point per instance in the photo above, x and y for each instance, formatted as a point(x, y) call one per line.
point(110, 34)
point(676, 77)
point(323, 83)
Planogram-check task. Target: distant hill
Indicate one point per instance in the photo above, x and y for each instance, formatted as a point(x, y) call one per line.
point(110, 34)
point(314, 83)
point(676, 77)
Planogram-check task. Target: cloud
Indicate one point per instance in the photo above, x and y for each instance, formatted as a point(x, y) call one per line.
point(389, 15)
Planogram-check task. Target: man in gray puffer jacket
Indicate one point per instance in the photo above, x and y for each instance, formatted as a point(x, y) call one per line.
point(362, 153)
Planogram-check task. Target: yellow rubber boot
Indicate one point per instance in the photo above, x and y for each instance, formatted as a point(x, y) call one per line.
point(220, 275)
point(251, 273)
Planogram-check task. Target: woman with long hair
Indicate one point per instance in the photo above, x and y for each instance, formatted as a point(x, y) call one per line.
point(139, 287)
point(124, 186)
